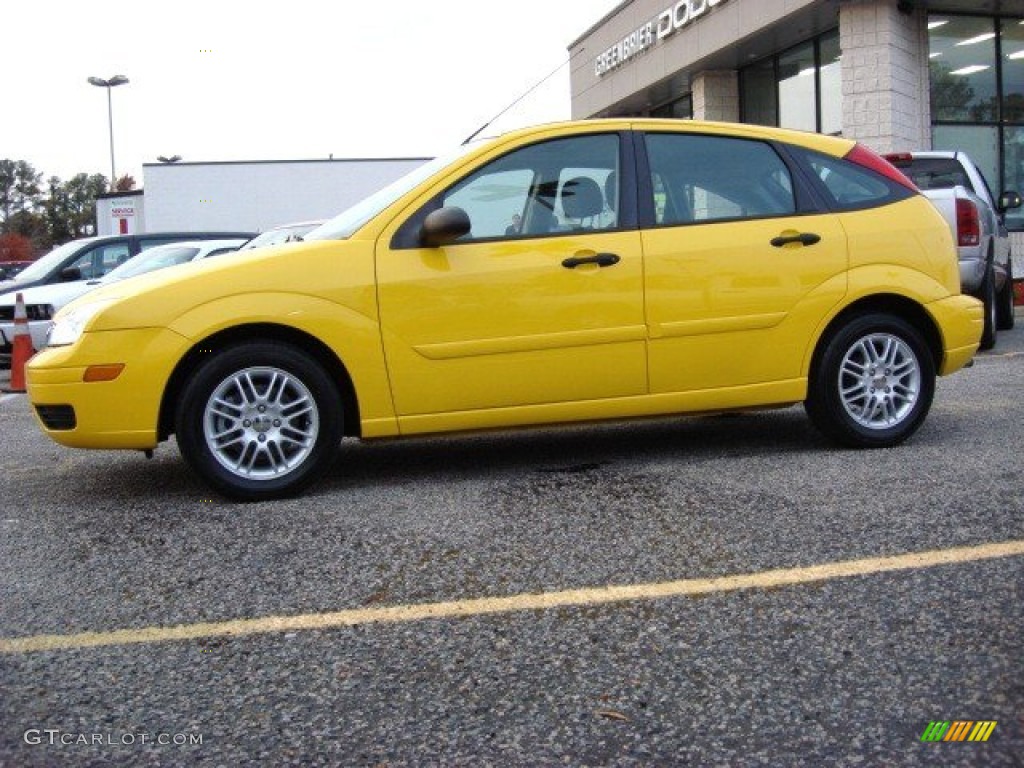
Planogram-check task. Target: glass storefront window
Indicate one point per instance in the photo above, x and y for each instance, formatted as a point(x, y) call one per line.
point(800, 88)
point(977, 99)
point(798, 105)
point(980, 142)
point(831, 87)
point(680, 109)
point(962, 57)
point(1013, 172)
point(1012, 43)
point(758, 94)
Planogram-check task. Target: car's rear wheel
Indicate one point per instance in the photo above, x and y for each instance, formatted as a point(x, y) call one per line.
point(988, 297)
point(1004, 302)
point(873, 382)
point(259, 420)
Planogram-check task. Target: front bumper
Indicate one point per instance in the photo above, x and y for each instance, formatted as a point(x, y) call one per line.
point(122, 413)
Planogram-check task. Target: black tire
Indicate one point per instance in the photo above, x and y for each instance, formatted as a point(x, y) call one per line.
point(871, 405)
point(278, 420)
point(1004, 302)
point(988, 298)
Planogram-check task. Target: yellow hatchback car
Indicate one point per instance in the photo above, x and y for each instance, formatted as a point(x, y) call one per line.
point(578, 271)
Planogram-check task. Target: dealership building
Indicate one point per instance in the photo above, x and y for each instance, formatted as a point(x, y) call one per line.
point(897, 75)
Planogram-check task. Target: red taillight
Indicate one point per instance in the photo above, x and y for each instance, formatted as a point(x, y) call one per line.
point(968, 223)
point(899, 159)
point(865, 158)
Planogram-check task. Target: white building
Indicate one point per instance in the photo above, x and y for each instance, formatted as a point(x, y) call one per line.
point(245, 196)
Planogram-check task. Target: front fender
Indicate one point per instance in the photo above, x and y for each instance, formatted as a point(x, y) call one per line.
point(352, 336)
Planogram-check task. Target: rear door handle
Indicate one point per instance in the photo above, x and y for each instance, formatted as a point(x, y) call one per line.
point(601, 259)
point(804, 238)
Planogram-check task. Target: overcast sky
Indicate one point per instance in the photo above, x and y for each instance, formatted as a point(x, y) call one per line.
point(231, 80)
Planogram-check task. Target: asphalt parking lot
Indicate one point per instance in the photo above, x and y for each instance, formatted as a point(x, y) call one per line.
point(446, 602)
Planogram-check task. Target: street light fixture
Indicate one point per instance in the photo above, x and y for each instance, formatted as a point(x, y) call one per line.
point(108, 84)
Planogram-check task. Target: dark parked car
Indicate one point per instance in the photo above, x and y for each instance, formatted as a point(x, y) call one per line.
point(8, 269)
point(92, 257)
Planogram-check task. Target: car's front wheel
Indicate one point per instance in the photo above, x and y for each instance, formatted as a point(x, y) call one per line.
point(259, 420)
point(873, 382)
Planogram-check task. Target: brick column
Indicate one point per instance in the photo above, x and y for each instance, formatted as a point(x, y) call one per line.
point(885, 75)
point(716, 95)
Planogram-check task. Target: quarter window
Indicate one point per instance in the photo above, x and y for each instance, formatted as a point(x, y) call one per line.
point(849, 186)
point(699, 179)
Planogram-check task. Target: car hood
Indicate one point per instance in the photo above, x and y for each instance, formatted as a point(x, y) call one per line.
point(57, 295)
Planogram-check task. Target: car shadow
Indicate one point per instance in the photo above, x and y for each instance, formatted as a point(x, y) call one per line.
point(577, 448)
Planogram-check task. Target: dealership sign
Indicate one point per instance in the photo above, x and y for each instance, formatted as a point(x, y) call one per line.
point(640, 40)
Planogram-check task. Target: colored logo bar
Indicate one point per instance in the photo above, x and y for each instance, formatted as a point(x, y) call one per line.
point(959, 730)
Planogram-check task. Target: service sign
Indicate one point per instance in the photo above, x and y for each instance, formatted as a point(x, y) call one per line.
point(664, 25)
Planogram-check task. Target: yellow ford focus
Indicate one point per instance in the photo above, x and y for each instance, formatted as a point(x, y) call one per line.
point(570, 272)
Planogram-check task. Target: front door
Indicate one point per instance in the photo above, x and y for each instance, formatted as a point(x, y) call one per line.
point(541, 303)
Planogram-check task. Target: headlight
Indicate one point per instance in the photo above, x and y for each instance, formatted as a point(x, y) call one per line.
point(69, 324)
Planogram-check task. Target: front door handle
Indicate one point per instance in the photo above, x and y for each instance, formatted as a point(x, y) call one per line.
point(804, 238)
point(601, 259)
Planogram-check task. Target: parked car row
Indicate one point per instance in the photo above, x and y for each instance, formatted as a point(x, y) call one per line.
point(79, 266)
point(42, 301)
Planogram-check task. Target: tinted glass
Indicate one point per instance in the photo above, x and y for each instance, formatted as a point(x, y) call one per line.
point(831, 85)
point(848, 185)
point(962, 57)
point(556, 186)
point(797, 104)
point(1013, 168)
point(935, 172)
point(700, 179)
point(1012, 32)
point(979, 142)
point(757, 84)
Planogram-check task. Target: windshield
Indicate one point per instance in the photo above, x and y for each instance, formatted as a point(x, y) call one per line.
point(345, 224)
point(152, 259)
point(42, 266)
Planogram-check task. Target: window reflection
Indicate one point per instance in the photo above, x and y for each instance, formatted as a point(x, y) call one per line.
point(800, 88)
point(962, 55)
point(798, 105)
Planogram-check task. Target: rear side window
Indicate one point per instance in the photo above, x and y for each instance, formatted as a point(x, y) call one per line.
point(848, 186)
point(701, 179)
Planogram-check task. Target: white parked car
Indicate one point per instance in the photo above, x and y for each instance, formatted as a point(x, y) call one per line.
point(42, 301)
point(286, 233)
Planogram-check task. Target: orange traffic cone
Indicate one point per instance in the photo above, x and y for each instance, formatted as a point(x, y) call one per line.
point(21, 349)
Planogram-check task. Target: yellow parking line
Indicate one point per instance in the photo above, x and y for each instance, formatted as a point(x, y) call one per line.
point(525, 602)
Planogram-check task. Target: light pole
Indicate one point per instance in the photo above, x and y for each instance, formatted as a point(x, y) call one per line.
point(108, 84)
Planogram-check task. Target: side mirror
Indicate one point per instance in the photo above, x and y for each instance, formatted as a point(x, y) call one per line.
point(1009, 200)
point(444, 226)
point(70, 273)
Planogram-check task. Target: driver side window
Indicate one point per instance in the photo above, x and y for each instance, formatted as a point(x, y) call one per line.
point(555, 187)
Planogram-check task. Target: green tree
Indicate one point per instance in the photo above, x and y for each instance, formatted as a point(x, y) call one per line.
point(71, 205)
point(19, 189)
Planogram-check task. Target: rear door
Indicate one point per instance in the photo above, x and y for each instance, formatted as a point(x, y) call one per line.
point(741, 267)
